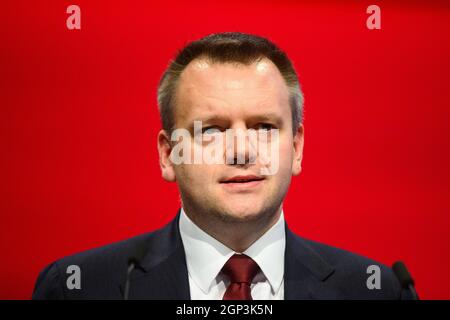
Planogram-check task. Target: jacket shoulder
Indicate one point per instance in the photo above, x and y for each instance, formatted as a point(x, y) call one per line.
point(102, 270)
point(355, 276)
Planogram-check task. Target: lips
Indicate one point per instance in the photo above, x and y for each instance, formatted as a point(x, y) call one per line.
point(242, 184)
point(242, 179)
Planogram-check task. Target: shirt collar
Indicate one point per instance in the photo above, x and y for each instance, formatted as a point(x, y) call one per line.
point(205, 256)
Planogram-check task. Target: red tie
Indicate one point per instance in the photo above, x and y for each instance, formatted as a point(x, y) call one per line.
point(241, 270)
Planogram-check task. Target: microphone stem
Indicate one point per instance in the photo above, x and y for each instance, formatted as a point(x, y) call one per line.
point(126, 291)
point(413, 292)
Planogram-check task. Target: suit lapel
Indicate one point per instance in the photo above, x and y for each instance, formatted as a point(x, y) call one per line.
point(163, 271)
point(166, 281)
point(305, 271)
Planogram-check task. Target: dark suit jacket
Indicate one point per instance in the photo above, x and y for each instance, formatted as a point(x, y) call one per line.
point(312, 271)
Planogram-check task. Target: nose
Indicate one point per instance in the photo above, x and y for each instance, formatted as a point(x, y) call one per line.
point(240, 146)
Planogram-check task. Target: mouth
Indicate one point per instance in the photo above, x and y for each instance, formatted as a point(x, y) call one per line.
point(242, 182)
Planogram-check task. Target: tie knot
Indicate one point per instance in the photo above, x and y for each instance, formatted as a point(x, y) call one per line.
point(240, 268)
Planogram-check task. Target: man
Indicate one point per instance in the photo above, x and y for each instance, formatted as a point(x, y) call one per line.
point(229, 240)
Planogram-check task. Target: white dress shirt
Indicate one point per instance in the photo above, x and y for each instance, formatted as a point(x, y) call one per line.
point(205, 257)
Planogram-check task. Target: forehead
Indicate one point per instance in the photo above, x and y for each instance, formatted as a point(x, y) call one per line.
point(230, 89)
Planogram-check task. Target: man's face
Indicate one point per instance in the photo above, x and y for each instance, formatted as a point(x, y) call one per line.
point(238, 97)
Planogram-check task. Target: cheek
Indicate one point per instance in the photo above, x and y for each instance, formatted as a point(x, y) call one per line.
point(185, 173)
point(283, 177)
point(198, 175)
point(286, 153)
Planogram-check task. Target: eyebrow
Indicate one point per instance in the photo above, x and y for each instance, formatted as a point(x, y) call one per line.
point(271, 117)
point(268, 117)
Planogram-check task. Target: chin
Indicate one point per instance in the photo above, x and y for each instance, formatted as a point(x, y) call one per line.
point(242, 213)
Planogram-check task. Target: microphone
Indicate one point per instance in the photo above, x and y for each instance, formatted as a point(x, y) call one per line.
point(134, 260)
point(405, 279)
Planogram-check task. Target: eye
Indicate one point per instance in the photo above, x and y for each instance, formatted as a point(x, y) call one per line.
point(265, 127)
point(211, 130)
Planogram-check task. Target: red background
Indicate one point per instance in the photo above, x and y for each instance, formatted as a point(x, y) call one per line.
point(79, 165)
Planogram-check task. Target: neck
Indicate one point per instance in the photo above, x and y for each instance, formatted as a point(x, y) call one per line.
point(236, 235)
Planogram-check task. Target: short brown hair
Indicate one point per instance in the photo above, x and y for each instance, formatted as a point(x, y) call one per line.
point(228, 47)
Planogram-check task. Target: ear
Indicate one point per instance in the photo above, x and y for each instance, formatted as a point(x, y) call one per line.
point(298, 150)
point(164, 150)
